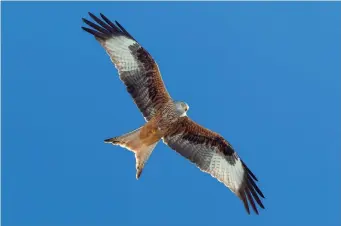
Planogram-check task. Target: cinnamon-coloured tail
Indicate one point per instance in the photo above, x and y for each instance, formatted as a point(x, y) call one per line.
point(137, 143)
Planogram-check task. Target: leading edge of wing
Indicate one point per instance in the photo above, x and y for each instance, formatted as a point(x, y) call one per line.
point(104, 28)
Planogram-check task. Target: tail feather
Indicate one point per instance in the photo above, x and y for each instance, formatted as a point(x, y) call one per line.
point(141, 158)
point(133, 142)
point(110, 140)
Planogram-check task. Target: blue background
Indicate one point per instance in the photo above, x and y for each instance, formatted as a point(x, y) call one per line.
point(266, 76)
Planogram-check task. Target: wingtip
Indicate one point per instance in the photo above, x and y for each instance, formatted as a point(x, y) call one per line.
point(92, 15)
point(249, 171)
point(103, 17)
point(248, 212)
point(244, 200)
point(106, 19)
point(86, 21)
point(261, 194)
point(118, 24)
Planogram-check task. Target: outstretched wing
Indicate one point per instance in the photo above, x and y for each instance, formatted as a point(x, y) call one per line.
point(214, 155)
point(135, 65)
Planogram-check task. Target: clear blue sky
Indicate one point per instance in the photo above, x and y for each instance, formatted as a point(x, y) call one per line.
point(266, 76)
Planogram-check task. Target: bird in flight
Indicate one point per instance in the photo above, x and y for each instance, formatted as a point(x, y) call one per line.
point(166, 119)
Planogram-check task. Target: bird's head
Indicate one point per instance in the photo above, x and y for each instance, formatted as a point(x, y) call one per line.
point(181, 108)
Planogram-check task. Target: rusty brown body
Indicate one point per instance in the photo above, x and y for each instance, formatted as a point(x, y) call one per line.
point(159, 125)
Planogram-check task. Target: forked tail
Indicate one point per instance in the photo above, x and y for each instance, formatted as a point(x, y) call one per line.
point(137, 143)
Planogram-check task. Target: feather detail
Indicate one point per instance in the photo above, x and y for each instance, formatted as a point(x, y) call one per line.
point(214, 155)
point(136, 67)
